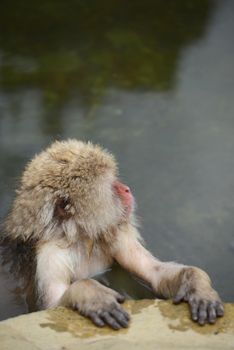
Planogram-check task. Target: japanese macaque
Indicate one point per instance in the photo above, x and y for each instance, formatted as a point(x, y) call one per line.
point(71, 219)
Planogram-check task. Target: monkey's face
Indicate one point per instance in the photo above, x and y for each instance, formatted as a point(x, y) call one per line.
point(124, 194)
point(80, 181)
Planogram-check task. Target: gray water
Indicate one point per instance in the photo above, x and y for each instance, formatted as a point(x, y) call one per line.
point(154, 83)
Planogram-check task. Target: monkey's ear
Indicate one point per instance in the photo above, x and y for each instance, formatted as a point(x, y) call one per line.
point(63, 208)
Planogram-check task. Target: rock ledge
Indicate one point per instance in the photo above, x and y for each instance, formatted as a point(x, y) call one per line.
point(154, 325)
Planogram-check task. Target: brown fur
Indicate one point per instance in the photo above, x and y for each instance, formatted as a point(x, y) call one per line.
point(67, 224)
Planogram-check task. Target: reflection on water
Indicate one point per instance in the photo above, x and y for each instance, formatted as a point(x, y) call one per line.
point(151, 81)
point(60, 47)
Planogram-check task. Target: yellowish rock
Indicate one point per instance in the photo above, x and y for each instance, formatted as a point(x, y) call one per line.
point(154, 325)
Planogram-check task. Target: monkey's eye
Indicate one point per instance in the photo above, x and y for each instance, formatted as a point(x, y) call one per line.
point(63, 161)
point(64, 202)
point(75, 177)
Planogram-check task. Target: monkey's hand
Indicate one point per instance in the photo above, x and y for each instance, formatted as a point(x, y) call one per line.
point(97, 302)
point(204, 302)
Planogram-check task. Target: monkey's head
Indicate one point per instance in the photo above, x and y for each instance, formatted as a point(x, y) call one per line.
point(70, 188)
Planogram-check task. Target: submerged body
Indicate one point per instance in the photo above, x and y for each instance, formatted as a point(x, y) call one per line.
point(71, 220)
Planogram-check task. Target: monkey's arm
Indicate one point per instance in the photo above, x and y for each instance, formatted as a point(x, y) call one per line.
point(89, 297)
point(167, 279)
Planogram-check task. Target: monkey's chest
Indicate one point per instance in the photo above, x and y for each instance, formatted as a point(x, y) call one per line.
point(86, 263)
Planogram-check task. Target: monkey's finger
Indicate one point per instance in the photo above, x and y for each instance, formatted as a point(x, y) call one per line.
point(120, 317)
point(219, 309)
point(127, 316)
point(96, 319)
point(108, 319)
point(193, 309)
point(119, 297)
point(202, 313)
point(211, 313)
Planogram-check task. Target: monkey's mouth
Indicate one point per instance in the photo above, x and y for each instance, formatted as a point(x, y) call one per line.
point(129, 207)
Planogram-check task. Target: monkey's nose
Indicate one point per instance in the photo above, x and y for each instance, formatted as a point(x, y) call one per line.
point(121, 188)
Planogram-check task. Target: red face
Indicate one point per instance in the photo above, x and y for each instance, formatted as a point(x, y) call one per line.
point(125, 195)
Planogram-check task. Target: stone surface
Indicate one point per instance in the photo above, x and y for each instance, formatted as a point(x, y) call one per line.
point(154, 325)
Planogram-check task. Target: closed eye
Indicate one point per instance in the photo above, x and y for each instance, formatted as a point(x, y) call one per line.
point(75, 177)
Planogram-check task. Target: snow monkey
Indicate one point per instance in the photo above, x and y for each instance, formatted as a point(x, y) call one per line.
point(70, 220)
